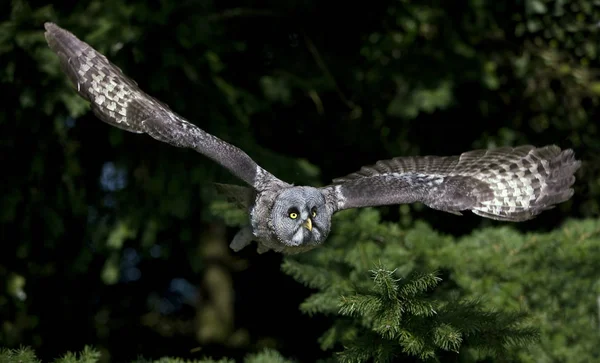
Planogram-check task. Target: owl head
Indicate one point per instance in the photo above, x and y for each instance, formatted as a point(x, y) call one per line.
point(300, 217)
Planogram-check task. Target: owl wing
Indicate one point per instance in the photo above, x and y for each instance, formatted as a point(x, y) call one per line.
point(117, 100)
point(510, 184)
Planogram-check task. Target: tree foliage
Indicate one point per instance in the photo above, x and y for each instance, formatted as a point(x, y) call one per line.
point(89, 355)
point(551, 275)
point(501, 289)
point(103, 231)
point(399, 311)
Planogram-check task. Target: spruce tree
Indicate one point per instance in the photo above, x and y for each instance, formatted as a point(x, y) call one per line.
point(384, 298)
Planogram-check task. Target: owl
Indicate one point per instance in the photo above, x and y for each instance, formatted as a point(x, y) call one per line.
point(508, 184)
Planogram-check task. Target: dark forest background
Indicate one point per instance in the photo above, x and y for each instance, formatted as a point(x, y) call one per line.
point(115, 240)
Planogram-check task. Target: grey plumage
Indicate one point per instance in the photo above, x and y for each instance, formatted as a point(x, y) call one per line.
point(117, 100)
point(509, 184)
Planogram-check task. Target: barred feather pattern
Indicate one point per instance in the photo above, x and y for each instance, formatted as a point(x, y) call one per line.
point(96, 79)
point(117, 100)
point(512, 184)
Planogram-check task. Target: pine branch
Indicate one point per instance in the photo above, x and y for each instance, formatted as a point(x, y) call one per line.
point(311, 276)
point(88, 355)
point(397, 311)
point(342, 330)
point(267, 355)
point(367, 347)
point(24, 354)
point(324, 302)
point(180, 360)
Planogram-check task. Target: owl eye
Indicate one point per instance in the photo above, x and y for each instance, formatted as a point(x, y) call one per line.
point(293, 213)
point(314, 212)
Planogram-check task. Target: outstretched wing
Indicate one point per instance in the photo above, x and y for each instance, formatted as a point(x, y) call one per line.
point(510, 184)
point(117, 100)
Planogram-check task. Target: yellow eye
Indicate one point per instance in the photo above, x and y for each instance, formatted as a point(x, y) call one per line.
point(293, 215)
point(314, 213)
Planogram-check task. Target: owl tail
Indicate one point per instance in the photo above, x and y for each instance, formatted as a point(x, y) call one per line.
point(529, 184)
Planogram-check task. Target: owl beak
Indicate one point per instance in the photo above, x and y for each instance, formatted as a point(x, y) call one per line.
point(308, 224)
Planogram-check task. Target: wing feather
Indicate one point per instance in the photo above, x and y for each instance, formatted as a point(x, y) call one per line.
point(117, 100)
point(512, 184)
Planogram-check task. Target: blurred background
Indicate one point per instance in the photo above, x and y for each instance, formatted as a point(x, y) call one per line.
point(119, 241)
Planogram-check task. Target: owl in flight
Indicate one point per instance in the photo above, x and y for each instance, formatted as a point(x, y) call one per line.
point(508, 184)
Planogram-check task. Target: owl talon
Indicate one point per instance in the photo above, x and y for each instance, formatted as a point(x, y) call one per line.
point(242, 239)
point(261, 249)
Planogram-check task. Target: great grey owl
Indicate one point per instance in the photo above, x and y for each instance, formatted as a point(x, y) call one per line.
point(509, 184)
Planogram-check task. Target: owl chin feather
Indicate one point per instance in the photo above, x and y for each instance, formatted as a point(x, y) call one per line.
point(301, 236)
